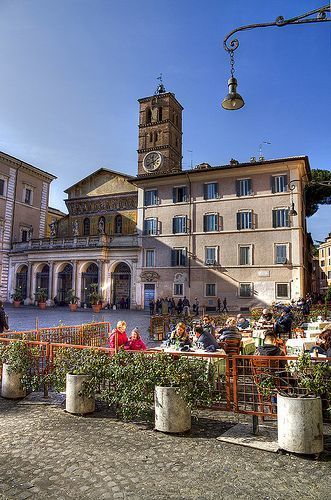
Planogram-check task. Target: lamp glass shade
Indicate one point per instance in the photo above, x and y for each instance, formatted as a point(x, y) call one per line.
point(233, 100)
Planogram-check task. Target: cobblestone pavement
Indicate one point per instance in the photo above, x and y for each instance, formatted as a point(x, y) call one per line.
point(24, 318)
point(47, 453)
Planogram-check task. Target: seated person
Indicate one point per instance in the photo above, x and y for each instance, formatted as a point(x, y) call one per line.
point(207, 325)
point(135, 342)
point(204, 337)
point(323, 342)
point(120, 332)
point(284, 322)
point(230, 331)
point(242, 322)
point(266, 317)
point(179, 334)
point(270, 347)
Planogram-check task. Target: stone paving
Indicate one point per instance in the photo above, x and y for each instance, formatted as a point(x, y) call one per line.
point(24, 318)
point(47, 453)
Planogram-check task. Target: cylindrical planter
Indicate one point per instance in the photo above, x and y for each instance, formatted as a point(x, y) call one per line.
point(76, 403)
point(11, 386)
point(42, 305)
point(300, 424)
point(171, 411)
point(17, 303)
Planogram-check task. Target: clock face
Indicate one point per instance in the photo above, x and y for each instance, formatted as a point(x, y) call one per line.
point(152, 161)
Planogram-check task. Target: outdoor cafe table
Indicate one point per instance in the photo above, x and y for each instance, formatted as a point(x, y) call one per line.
point(213, 357)
point(260, 332)
point(298, 346)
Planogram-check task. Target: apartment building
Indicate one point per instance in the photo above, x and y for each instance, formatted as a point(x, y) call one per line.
point(24, 191)
point(236, 231)
point(324, 257)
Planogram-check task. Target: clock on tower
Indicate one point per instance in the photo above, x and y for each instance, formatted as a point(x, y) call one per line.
point(160, 133)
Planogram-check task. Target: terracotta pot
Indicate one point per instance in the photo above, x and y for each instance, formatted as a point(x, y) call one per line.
point(42, 305)
point(17, 303)
point(73, 307)
point(96, 308)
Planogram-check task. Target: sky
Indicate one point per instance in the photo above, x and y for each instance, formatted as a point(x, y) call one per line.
point(72, 71)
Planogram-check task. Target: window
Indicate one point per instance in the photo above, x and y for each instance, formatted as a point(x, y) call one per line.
point(282, 290)
point(148, 115)
point(245, 289)
point(211, 222)
point(2, 187)
point(179, 224)
point(281, 256)
point(280, 217)
point(322, 263)
point(160, 114)
point(278, 183)
point(178, 257)
point(329, 275)
point(178, 289)
point(151, 137)
point(156, 136)
point(24, 235)
point(211, 257)
point(210, 191)
point(245, 219)
point(118, 224)
point(210, 289)
point(86, 227)
point(28, 196)
point(245, 255)
point(244, 187)
point(179, 194)
point(150, 226)
point(151, 197)
point(150, 258)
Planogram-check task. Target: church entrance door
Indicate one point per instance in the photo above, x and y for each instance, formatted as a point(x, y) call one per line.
point(89, 278)
point(121, 279)
point(64, 283)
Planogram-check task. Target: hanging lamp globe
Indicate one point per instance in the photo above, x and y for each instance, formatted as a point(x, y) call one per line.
point(233, 100)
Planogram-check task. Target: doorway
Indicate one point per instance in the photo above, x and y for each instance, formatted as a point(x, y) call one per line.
point(121, 278)
point(64, 283)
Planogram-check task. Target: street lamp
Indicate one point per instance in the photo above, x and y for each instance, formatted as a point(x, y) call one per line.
point(233, 100)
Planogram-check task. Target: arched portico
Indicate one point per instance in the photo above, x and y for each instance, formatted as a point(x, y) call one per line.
point(21, 281)
point(42, 278)
point(64, 282)
point(121, 285)
point(90, 275)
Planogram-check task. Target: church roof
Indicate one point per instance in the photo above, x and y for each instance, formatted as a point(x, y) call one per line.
point(99, 170)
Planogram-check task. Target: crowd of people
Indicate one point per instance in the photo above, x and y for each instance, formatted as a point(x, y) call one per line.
point(168, 305)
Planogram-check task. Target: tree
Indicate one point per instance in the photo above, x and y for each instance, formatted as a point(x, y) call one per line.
point(318, 192)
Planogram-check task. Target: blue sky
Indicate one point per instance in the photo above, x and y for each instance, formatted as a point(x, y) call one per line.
point(72, 71)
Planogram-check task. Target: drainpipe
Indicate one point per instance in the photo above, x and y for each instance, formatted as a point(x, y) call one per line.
point(189, 234)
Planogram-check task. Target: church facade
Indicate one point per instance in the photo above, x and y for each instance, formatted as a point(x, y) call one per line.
point(236, 231)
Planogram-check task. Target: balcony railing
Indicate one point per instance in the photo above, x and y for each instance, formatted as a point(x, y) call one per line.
point(76, 242)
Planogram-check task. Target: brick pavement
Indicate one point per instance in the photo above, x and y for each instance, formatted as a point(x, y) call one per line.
point(47, 453)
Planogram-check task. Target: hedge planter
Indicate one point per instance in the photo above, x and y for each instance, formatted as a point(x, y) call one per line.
point(171, 411)
point(300, 424)
point(11, 386)
point(75, 402)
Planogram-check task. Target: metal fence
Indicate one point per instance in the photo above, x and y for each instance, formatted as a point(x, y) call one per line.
point(242, 384)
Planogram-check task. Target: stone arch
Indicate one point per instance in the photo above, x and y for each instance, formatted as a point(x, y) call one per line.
point(64, 282)
point(90, 275)
point(42, 277)
point(21, 281)
point(121, 284)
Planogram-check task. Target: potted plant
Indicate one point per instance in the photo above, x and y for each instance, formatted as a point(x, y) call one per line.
point(300, 389)
point(17, 296)
point(72, 300)
point(79, 372)
point(95, 298)
point(137, 383)
point(41, 297)
point(18, 370)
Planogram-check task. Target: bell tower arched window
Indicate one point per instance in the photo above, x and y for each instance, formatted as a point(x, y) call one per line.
point(148, 115)
point(160, 114)
point(86, 227)
point(155, 136)
point(118, 224)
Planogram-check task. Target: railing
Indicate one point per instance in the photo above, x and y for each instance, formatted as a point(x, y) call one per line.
point(88, 334)
point(238, 380)
point(102, 240)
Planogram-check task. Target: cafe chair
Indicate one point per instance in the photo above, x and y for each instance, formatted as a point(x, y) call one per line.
point(231, 346)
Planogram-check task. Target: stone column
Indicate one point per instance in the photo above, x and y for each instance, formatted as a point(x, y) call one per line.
point(54, 284)
point(50, 284)
point(29, 291)
point(133, 301)
point(31, 282)
point(74, 275)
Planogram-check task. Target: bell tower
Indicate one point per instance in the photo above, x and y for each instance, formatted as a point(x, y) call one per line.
point(160, 133)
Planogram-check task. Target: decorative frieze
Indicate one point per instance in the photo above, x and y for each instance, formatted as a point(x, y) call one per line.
point(146, 276)
point(101, 206)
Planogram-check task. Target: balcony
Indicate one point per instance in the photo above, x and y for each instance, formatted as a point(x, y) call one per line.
point(42, 244)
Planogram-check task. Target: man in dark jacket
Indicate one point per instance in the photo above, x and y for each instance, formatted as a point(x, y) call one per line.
point(204, 337)
point(270, 348)
point(284, 323)
point(3, 319)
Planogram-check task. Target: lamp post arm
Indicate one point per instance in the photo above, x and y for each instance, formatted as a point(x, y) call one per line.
point(321, 12)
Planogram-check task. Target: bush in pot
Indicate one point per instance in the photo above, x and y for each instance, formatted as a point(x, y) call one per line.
point(20, 362)
point(132, 378)
point(17, 296)
point(299, 403)
point(80, 372)
point(72, 299)
point(95, 297)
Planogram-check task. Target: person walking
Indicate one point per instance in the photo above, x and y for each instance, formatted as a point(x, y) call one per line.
point(218, 305)
point(225, 305)
point(3, 318)
point(186, 306)
point(196, 306)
